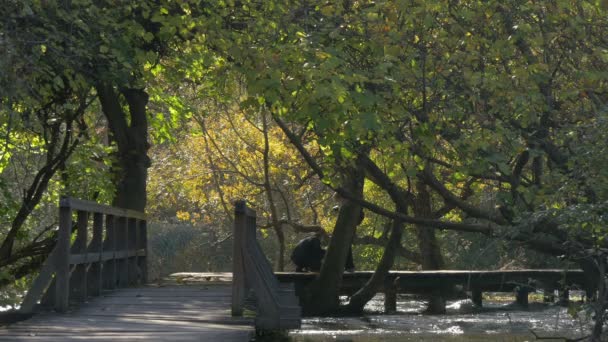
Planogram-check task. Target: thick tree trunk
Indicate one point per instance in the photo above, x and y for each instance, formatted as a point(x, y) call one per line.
point(323, 294)
point(428, 246)
point(131, 137)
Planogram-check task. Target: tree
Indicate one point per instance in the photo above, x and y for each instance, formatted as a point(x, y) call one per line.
point(455, 104)
point(60, 58)
point(43, 106)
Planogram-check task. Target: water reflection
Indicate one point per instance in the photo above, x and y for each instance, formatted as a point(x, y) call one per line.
point(497, 321)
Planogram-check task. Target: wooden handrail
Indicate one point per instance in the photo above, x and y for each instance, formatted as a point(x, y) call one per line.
point(115, 255)
point(276, 308)
point(94, 207)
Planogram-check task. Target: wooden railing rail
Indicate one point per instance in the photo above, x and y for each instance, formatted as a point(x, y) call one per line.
point(277, 307)
point(114, 255)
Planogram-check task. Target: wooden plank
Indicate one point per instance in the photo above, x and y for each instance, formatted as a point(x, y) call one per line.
point(93, 207)
point(124, 323)
point(195, 313)
point(234, 335)
point(87, 258)
point(168, 294)
point(154, 301)
point(212, 312)
point(231, 333)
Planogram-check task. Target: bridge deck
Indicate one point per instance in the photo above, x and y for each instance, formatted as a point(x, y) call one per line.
point(174, 313)
point(411, 281)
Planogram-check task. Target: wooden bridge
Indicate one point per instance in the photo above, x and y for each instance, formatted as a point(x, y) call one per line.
point(95, 288)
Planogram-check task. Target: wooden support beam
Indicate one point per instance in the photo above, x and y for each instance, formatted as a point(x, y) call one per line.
point(477, 297)
point(564, 296)
point(238, 267)
point(548, 296)
point(41, 283)
point(62, 266)
point(521, 296)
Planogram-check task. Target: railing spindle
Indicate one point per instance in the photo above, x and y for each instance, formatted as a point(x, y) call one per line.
point(131, 247)
point(78, 280)
point(122, 247)
point(110, 267)
point(94, 274)
point(142, 244)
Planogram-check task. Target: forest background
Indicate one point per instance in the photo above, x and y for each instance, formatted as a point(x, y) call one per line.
point(472, 133)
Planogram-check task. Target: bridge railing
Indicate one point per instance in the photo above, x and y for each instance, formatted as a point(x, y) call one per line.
point(277, 306)
point(108, 252)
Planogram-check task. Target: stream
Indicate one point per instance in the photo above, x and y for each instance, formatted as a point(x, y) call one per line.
point(498, 320)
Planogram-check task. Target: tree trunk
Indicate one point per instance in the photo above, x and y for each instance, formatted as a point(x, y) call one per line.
point(428, 246)
point(324, 292)
point(131, 137)
point(601, 303)
point(274, 216)
point(367, 292)
point(59, 149)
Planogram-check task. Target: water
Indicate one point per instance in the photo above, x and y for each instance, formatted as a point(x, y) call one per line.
point(497, 321)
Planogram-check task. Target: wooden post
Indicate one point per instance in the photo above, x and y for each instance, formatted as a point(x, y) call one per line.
point(142, 260)
point(110, 267)
point(477, 297)
point(521, 296)
point(238, 269)
point(564, 296)
point(62, 278)
point(390, 296)
point(590, 295)
point(94, 274)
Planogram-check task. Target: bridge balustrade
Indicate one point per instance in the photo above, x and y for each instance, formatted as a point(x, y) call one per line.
point(277, 306)
point(108, 252)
